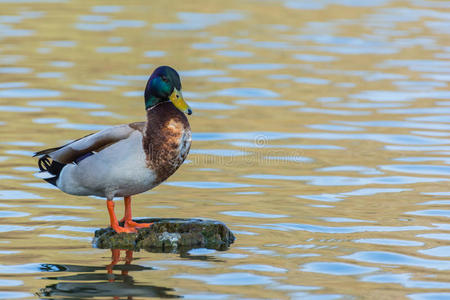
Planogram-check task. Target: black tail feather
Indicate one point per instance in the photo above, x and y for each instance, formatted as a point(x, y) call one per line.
point(51, 180)
point(53, 167)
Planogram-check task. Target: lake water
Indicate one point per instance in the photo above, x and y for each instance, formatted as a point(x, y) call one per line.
point(320, 137)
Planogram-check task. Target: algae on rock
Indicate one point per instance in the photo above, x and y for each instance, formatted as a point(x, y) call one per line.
point(168, 235)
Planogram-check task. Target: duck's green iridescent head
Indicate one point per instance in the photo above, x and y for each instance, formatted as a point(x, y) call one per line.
point(165, 85)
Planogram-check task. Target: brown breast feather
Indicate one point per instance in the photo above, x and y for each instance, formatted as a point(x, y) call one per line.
point(163, 133)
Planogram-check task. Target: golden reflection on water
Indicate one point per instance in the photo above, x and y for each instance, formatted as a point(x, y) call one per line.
point(320, 137)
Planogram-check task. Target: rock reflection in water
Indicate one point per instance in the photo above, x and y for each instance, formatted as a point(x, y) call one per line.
point(90, 282)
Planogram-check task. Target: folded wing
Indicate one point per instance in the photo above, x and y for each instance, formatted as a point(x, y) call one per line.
point(75, 151)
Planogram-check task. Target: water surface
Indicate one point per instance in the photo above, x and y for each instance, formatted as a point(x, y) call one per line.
point(321, 138)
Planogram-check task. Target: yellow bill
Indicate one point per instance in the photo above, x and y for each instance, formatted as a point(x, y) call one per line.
point(178, 100)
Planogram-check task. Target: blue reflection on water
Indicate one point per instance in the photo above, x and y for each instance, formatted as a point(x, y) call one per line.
point(336, 268)
point(17, 194)
point(107, 8)
point(9, 228)
point(398, 124)
point(309, 80)
point(15, 70)
point(419, 169)
point(257, 66)
point(435, 236)
point(247, 92)
point(12, 214)
point(292, 158)
point(75, 126)
point(15, 295)
point(441, 251)
point(189, 263)
point(198, 21)
point(389, 242)
point(155, 53)
point(422, 110)
point(268, 102)
point(223, 79)
point(209, 184)
point(109, 25)
point(5, 85)
point(69, 104)
point(406, 281)
point(202, 73)
point(219, 152)
point(62, 64)
point(28, 93)
point(340, 112)
point(57, 218)
point(429, 296)
point(65, 44)
point(50, 75)
point(333, 127)
point(11, 282)
point(232, 279)
point(112, 82)
point(48, 120)
point(333, 229)
point(383, 257)
point(250, 214)
point(430, 213)
point(208, 46)
point(260, 268)
point(67, 237)
point(118, 49)
point(315, 57)
point(309, 147)
point(437, 118)
point(358, 169)
point(233, 53)
point(95, 88)
point(344, 220)
point(347, 181)
point(378, 95)
point(210, 106)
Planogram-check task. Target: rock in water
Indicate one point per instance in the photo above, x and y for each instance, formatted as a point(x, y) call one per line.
point(168, 235)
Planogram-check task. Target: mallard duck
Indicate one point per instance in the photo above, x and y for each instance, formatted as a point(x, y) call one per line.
point(128, 159)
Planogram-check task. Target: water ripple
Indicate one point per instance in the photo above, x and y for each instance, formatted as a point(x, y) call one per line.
point(336, 230)
point(389, 242)
point(336, 268)
point(250, 214)
point(17, 194)
point(231, 279)
point(391, 258)
point(441, 251)
point(259, 268)
point(247, 92)
point(406, 281)
point(67, 104)
point(419, 169)
point(347, 181)
point(199, 21)
point(209, 184)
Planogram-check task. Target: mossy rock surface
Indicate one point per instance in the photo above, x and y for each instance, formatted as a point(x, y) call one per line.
point(168, 235)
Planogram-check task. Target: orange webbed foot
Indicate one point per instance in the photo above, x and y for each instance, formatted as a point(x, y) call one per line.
point(120, 229)
point(132, 224)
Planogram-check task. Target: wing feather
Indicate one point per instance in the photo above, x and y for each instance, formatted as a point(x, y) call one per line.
point(93, 142)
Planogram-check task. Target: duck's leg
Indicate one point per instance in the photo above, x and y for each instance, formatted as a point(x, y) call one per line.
point(127, 219)
point(115, 259)
point(128, 259)
point(113, 220)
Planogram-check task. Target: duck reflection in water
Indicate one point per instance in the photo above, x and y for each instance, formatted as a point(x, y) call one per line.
point(88, 283)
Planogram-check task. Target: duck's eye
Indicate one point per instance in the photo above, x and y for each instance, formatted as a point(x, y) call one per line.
point(164, 78)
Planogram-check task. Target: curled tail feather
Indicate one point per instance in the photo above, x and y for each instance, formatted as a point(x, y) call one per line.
point(52, 167)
